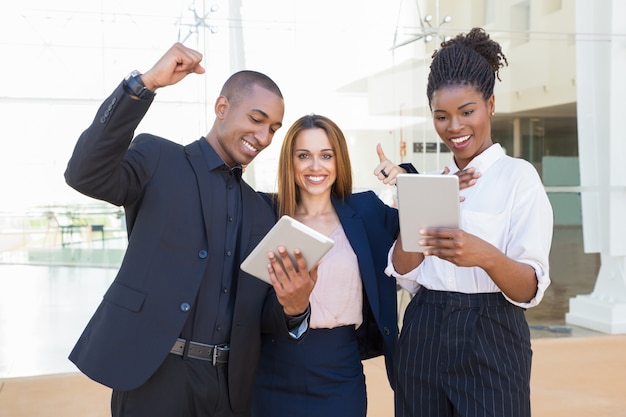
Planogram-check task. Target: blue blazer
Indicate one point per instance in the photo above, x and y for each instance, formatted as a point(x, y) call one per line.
point(371, 228)
point(167, 196)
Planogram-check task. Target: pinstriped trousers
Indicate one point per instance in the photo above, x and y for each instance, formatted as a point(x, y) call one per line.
point(463, 355)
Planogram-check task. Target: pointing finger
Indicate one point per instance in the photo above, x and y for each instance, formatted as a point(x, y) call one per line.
point(381, 154)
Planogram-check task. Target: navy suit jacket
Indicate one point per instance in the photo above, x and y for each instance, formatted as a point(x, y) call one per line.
point(167, 195)
point(371, 228)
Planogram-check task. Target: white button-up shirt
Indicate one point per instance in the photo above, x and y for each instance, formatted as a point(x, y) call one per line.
point(507, 207)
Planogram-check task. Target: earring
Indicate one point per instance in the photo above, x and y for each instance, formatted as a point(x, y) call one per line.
point(493, 112)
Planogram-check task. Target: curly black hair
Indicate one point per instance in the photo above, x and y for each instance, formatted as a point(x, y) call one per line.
point(468, 59)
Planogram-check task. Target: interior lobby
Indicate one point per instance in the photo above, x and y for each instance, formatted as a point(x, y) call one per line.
point(558, 106)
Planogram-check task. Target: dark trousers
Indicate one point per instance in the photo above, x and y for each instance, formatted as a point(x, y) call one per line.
point(463, 355)
point(181, 387)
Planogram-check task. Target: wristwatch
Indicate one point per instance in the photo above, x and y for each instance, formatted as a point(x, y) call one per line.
point(133, 85)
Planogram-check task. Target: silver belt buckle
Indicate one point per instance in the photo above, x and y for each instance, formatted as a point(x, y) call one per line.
point(216, 350)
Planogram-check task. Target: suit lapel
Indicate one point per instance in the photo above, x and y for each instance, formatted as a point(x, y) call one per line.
point(199, 165)
point(355, 231)
point(247, 217)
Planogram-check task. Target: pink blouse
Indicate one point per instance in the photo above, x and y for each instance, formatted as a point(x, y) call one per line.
point(337, 299)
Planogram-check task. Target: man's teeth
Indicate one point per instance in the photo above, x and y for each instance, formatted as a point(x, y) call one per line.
point(461, 139)
point(249, 146)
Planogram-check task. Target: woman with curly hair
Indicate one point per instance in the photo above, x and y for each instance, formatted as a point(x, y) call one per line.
point(464, 349)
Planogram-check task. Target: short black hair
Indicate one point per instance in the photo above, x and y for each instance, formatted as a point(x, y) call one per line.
point(241, 82)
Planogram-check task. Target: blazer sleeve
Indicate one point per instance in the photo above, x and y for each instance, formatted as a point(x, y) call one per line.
point(409, 168)
point(101, 165)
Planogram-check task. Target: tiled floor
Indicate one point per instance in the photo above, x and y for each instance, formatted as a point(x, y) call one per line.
point(572, 377)
point(42, 312)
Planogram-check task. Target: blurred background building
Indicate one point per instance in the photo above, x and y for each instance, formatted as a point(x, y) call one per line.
point(364, 64)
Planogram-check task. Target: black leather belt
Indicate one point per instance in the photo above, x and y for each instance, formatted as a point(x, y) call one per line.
point(215, 353)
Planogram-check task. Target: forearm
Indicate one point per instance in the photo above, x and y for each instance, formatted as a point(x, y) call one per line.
point(404, 262)
point(516, 280)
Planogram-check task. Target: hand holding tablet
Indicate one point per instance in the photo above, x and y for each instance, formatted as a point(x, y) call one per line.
point(291, 234)
point(426, 201)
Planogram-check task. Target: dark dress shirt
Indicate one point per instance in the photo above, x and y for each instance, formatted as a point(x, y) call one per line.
point(210, 320)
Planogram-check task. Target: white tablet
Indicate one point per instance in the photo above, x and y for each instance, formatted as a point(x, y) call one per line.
point(291, 234)
point(426, 201)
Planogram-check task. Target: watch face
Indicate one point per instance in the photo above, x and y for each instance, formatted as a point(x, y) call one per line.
point(133, 74)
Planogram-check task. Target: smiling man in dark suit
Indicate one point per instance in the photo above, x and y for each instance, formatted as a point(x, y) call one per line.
point(178, 331)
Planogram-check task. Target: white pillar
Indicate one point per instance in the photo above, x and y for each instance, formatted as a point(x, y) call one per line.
point(601, 87)
point(237, 47)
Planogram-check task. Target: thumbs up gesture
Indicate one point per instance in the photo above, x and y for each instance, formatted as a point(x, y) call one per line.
point(386, 171)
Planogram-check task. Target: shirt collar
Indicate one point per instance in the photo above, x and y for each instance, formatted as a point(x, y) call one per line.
point(215, 162)
point(483, 161)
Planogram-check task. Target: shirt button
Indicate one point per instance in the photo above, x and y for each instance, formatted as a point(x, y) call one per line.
point(202, 254)
point(225, 290)
point(228, 253)
point(230, 219)
point(386, 331)
point(185, 307)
